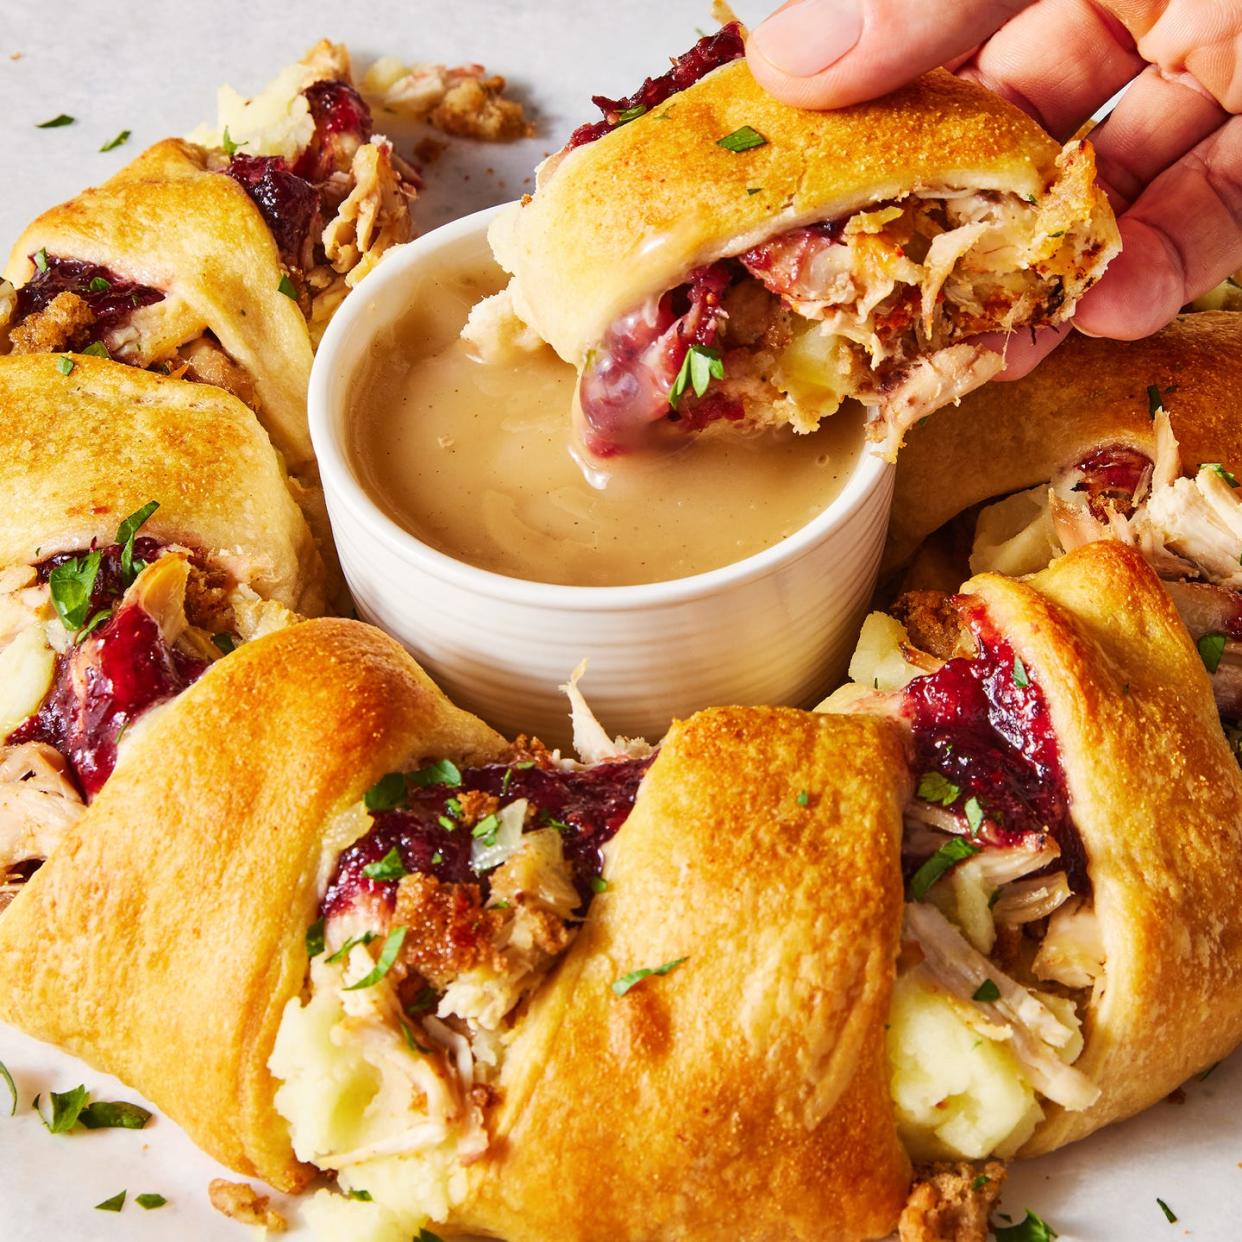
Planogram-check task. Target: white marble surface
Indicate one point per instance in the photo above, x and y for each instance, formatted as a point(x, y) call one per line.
point(153, 67)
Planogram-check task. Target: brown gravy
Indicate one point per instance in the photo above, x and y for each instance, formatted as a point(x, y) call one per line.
point(474, 459)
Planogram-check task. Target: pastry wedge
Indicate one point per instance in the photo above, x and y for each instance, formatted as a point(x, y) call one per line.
point(146, 528)
point(707, 256)
point(426, 960)
point(1073, 940)
point(221, 259)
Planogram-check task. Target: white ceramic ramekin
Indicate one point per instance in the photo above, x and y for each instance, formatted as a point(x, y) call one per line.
point(776, 627)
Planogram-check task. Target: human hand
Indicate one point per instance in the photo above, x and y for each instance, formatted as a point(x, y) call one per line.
point(1169, 155)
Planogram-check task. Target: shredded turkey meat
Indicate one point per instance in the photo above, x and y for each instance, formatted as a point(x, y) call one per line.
point(39, 803)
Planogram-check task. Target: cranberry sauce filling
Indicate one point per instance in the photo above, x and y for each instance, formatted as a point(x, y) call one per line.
point(108, 680)
point(627, 385)
point(342, 123)
point(1112, 473)
point(288, 202)
point(110, 581)
point(709, 53)
point(104, 685)
point(110, 298)
point(982, 723)
point(587, 806)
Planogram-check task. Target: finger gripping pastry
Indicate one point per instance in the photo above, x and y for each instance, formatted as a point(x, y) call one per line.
point(1066, 899)
point(123, 575)
point(450, 955)
point(707, 255)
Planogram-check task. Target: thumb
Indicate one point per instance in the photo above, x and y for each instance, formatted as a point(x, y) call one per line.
point(830, 53)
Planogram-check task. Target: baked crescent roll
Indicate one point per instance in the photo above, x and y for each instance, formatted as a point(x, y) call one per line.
point(208, 260)
point(146, 527)
point(1073, 935)
point(1137, 443)
point(708, 255)
point(1088, 393)
point(454, 1026)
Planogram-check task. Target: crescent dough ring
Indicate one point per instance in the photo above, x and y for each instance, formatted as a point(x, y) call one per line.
point(83, 450)
point(170, 926)
point(1011, 436)
point(166, 222)
point(616, 223)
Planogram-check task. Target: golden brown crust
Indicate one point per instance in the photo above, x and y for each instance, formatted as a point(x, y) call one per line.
point(79, 452)
point(166, 222)
point(626, 216)
point(1010, 436)
point(1157, 800)
point(162, 941)
point(745, 1093)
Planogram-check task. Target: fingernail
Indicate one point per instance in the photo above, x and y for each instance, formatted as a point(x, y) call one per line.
point(805, 38)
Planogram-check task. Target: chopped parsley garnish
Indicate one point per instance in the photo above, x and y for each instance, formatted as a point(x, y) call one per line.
point(1224, 474)
point(1211, 648)
point(67, 1106)
point(390, 867)
point(446, 772)
point(745, 139)
point(453, 807)
point(130, 569)
point(96, 349)
point(446, 823)
point(1169, 1214)
point(485, 830)
point(425, 1000)
point(504, 783)
point(363, 1196)
point(1030, 198)
point(114, 1115)
point(803, 797)
point(630, 114)
point(64, 364)
point(12, 1086)
point(351, 943)
point(230, 147)
point(115, 1204)
point(699, 367)
point(1155, 402)
point(56, 122)
point(226, 644)
point(388, 955)
point(288, 288)
point(314, 939)
point(987, 991)
point(974, 814)
point(621, 986)
point(437, 858)
point(113, 143)
point(1208, 1072)
point(104, 614)
point(71, 584)
point(150, 1201)
point(1032, 1229)
point(981, 1180)
point(753, 189)
point(1020, 677)
point(99, 284)
point(598, 885)
point(40, 258)
point(387, 792)
point(559, 824)
point(425, 1235)
point(933, 787)
point(944, 859)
